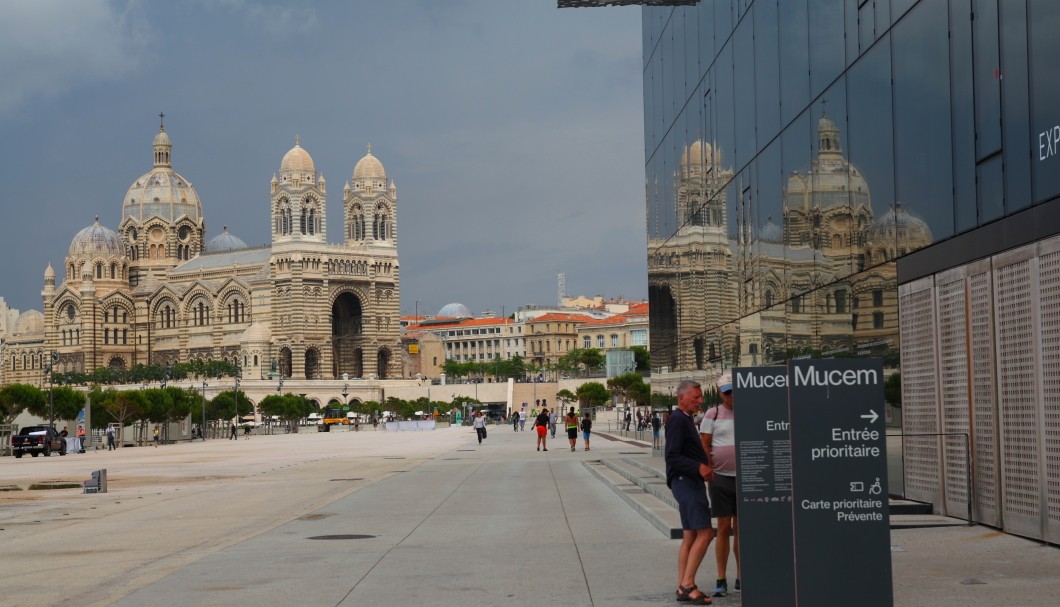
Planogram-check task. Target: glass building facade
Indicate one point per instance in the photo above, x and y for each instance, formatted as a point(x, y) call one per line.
point(818, 171)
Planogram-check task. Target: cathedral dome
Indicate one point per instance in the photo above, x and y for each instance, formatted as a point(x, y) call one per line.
point(96, 241)
point(29, 322)
point(225, 242)
point(697, 153)
point(369, 167)
point(162, 192)
point(899, 226)
point(256, 333)
point(455, 310)
point(771, 232)
point(297, 160)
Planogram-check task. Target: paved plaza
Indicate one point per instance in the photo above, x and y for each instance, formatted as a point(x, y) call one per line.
point(401, 518)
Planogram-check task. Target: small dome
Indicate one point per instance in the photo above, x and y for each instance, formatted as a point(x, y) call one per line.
point(162, 138)
point(225, 242)
point(771, 232)
point(30, 321)
point(369, 167)
point(455, 310)
point(256, 333)
point(902, 227)
point(297, 160)
point(96, 241)
point(697, 153)
point(49, 272)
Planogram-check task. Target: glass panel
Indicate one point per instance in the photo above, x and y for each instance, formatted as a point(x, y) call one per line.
point(767, 70)
point(666, 71)
point(767, 231)
point(774, 326)
point(991, 189)
point(680, 86)
point(795, 158)
point(693, 73)
point(898, 7)
point(874, 313)
point(840, 200)
point(871, 151)
point(744, 91)
point(723, 123)
point(987, 78)
point(794, 59)
point(866, 24)
point(961, 82)
point(1044, 18)
point(706, 34)
point(826, 43)
point(723, 20)
point(1016, 139)
point(850, 10)
point(923, 153)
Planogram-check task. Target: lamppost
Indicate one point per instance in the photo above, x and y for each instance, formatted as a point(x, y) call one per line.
point(202, 427)
point(51, 389)
point(235, 390)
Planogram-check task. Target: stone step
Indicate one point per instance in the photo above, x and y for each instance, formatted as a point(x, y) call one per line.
point(659, 513)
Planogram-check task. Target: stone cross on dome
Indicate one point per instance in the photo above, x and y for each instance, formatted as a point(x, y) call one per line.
point(161, 121)
point(369, 149)
point(298, 140)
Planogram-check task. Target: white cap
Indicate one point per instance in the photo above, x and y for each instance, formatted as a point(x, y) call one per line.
point(725, 382)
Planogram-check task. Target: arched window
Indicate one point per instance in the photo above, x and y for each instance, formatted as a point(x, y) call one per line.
point(99, 271)
point(113, 271)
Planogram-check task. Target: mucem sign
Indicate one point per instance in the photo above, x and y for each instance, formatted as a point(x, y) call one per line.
point(812, 484)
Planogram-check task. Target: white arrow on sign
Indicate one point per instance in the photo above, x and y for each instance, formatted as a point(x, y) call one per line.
point(872, 418)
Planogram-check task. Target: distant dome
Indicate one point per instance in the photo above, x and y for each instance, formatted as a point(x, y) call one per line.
point(96, 241)
point(455, 310)
point(771, 232)
point(698, 152)
point(297, 160)
point(162, 138)
point(30, 321)
point(225, 242)
point(369, 167)
point(256, 333)
point(898, 225)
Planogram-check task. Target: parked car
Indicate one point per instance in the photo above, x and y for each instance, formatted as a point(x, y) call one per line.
point(36, 440)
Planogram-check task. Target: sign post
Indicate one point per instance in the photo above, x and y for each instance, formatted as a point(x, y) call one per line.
point(763, 486)
point(841, 527)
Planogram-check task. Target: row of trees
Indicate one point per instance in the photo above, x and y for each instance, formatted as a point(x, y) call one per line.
point(148, 373)
point(578, 362)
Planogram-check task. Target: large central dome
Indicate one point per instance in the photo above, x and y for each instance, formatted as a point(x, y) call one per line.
point(162, 192)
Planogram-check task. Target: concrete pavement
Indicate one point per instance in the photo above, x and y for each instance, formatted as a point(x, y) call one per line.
point(378, 518)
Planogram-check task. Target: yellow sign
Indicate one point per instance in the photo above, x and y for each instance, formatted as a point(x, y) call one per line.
point(414, 348)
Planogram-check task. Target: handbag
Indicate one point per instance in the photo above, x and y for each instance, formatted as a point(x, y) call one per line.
point(483, 431)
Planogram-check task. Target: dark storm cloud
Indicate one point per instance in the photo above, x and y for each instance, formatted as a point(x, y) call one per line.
point(513, 131)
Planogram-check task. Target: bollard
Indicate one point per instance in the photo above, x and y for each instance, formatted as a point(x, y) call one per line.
point(98, 482)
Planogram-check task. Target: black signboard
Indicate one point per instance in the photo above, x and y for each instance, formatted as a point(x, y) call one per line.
point(839, 483)
point(763, 486)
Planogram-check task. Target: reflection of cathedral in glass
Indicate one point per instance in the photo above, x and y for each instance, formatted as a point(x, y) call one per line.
point(817, 282)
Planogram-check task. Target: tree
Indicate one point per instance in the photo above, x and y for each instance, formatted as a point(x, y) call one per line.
point(592, 359)
point(288, 407)
point(16, 398)
point(892, 390)
point(642, 358)
point(68, 403)
point(121, 407)
point(227, 405)
point(625, 386)
point(592, 394)
point(566, 397)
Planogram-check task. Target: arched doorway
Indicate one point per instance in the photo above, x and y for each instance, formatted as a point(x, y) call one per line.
point(312, 363)
point(358, 363)
point(285, 362)
point(382, 362)
point(346, 324)
point(116, 364)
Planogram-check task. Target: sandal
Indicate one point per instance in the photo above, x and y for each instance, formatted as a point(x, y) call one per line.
point(682, 592)
point(702, 599)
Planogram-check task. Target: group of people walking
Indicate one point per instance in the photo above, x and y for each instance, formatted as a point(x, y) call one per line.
point(696, 456)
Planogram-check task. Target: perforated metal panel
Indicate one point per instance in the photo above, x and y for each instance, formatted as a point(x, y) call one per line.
point(919, 401)
point(1049, 298)
point(954, 393)
point(981, 316)
point(1017, 397)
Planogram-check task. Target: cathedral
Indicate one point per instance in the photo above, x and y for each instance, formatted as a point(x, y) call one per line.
point(157, 291)
point(741, 294)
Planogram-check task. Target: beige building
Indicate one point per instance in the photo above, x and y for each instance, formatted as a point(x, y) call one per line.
point(618, 332)
point(157, 291)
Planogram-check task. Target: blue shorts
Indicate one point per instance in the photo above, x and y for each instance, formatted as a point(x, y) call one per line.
point(585, 435)
point(691, 496)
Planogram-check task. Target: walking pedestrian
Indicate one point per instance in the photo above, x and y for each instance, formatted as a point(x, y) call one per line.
point(515, 421)
point(551, 420)
point(717, 432)
point(541, 426)
point(571, 421)
point(480, 426)
point(655, 425)
point(587, 428)
point(155, 436)
point(231, 431)
point(687, 471)
point(110, 438)
point(80, 438)
point(522, 418)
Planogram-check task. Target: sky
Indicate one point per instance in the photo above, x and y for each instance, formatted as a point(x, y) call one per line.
point(513, 131)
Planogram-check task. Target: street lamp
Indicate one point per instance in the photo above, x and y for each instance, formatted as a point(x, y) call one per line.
point(235, 390)
point(51, 389)
point(202, 427)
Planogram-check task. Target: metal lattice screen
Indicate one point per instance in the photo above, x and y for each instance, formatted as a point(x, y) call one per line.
point(920, 454)
point(981, 313)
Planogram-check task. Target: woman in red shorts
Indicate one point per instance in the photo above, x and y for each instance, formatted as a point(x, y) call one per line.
point(541, 425)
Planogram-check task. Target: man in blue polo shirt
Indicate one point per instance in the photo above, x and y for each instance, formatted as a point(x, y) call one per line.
point(687, 471)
